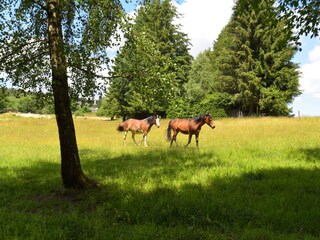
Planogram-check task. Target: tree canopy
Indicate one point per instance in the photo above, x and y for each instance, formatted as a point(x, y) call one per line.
point(153, 63)
point(252, 58)
point(87, 27)
point(301, 15)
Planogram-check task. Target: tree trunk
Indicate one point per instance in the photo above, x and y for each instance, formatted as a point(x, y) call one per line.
point(72, 174)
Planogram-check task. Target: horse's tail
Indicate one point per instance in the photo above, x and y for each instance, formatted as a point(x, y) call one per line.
point(120, 128)
point(169, 131)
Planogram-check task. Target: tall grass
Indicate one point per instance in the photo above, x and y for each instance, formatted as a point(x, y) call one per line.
point(249, 179)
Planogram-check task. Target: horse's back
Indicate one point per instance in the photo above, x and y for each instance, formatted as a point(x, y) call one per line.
point(126, 124)
point(133, 125)
point(180, 124)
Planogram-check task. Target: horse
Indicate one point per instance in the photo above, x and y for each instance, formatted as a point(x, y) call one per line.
point(138, 126)
point(188, 126)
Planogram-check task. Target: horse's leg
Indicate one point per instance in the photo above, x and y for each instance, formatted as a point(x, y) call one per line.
point(174, 137)
point(124, 136)
point(197, 138)
point(133, 138)
point(145, 139)
point(189, 140)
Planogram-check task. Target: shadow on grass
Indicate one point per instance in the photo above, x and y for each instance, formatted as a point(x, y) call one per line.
point(169, 161)
point(257, 204)
point(311, 155)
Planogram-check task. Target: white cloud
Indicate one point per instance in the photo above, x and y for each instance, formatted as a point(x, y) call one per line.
point(310, 78)
point(314, 55)
point(203, 20)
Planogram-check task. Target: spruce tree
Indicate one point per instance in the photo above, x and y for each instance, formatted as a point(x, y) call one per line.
point(252, 58)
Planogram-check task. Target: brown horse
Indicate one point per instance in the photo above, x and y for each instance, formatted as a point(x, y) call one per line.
point(138, 126)
point(191, 126)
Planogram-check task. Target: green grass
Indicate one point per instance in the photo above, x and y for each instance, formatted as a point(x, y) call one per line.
point(250, 179)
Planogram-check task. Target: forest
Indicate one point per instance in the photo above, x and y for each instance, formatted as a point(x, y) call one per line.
point(248, 71)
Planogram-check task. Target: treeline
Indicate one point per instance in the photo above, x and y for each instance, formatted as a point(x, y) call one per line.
point(248, 71)
point(13, 100)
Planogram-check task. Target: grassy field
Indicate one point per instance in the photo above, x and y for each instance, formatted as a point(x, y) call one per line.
point(250, 179)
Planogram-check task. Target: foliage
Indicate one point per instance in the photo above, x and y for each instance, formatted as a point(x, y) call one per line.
point(153, 63)
point(302, 15)
point(109, 108)
point(81, 111)
point(252, 58)
point(201, 96)
point(250, 179)
point(24, 52)
point(185, 108)
point(3, 99)
point(13, 100)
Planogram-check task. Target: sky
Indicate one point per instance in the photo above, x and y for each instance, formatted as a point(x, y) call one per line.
point(203, 20)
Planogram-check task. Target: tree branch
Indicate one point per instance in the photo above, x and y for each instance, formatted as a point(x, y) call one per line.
point(26, 60)
point(19, 49)
point(41, 5)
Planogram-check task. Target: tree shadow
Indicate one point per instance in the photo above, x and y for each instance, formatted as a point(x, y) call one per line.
point(258, 204)
point(263, 204)
point(169, 161)
point(306, 154)
point(278, 201)
point(311, 154)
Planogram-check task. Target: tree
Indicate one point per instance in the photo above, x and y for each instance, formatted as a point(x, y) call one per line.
point(153, 63)
point(62, 41)
point(200, 91)
point(252, 58)
point(300, 14)
point(201, 77)
point(108, 107)
point(3, 99)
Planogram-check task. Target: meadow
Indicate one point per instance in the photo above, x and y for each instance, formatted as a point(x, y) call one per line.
point(251, 178)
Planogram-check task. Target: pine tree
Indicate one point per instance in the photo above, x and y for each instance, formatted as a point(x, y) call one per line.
point(252, 59)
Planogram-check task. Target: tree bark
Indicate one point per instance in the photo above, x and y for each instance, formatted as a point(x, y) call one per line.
point(71, 171)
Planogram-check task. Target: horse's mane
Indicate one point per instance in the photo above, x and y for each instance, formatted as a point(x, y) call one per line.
point(199, 118)
point(149, 119)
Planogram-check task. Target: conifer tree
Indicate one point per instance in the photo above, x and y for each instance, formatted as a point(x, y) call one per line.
point(252, 57)
point(153, 63)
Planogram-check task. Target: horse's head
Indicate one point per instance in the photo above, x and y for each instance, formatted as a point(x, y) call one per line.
point(157, 121)
point(208, 120)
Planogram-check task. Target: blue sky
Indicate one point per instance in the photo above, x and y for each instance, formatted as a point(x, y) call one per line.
point(308, 103)
point(203, 20)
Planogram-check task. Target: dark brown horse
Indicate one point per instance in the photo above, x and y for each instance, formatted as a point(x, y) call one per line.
point(138, 126)
point(191, 126)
